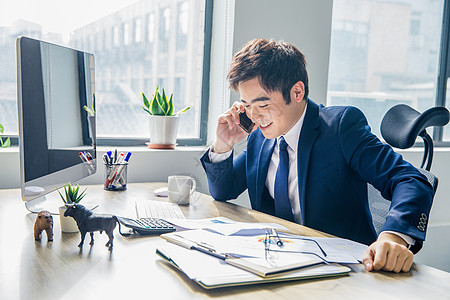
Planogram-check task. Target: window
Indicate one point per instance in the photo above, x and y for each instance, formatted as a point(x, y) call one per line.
point(137, 30)
point(135, 48)
point(385, 52)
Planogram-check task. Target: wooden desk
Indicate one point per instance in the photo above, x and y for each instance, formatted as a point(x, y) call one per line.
point(60, 270)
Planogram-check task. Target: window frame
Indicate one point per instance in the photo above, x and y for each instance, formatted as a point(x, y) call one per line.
point(443, 72)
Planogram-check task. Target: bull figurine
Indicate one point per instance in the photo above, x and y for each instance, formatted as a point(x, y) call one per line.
point(87, 221)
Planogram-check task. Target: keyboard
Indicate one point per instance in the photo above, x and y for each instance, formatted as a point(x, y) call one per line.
point(146, 226)
point(158, 209)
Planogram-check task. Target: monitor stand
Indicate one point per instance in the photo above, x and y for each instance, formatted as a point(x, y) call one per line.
point(43, 203)
point(51, 205)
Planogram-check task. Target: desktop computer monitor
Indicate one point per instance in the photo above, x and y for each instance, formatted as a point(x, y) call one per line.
point(56, 135)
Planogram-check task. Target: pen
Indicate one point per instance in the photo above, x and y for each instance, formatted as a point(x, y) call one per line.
point(106, 159)
point(113, 172)
point(87, 156)
point(120, 169)
point(83, 157)
point(109, 153)
point(183, 242)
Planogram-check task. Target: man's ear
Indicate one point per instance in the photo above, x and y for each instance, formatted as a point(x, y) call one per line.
point(298, 91)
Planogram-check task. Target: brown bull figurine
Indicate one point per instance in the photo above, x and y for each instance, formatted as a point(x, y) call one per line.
point(44, 221)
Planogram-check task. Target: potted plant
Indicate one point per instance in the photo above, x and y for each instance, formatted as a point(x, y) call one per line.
point(163, 120)
point(71, 197)
point(7, 142)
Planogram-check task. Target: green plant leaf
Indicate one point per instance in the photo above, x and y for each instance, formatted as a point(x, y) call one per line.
point(171, 107)
point(146, 103)
point(1, 128)
point(91, 111)
point(63, 199)
point(66, 189)
point(183, 110)
point(93, 103)
point(81, 196)
point(156, 106)
point(164, 102)
point(6, 143)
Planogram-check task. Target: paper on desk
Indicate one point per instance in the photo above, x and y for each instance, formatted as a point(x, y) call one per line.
point(212, 272)
point(338, 246)
point(226, 226)
point(338, 250)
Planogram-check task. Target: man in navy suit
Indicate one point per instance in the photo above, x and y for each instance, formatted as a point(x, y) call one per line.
point(330, 157)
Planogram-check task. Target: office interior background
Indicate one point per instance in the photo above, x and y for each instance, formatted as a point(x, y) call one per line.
point(372, 54)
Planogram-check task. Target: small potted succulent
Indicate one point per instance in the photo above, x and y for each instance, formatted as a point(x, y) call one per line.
point(71, 196)
point(163, 120)
point(7, 142)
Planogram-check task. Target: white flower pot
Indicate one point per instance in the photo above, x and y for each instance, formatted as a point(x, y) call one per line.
point(163, 132)
point(68, 224)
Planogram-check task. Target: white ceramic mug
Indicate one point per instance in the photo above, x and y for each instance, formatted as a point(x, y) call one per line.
point(181, 189)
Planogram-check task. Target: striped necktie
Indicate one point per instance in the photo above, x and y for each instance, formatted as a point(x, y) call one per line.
point(281, 195)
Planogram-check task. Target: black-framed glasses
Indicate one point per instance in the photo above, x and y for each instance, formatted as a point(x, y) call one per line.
point(272, 237)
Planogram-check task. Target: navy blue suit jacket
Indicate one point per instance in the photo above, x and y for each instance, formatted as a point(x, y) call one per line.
point(337, 156)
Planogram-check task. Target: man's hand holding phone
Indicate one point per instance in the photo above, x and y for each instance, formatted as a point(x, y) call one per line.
point(233, 126)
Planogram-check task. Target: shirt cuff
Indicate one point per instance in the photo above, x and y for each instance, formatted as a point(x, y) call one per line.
point(409, 240)
point(218, 157)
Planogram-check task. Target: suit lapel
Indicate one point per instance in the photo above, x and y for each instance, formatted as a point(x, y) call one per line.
point(264, 159)
point(308, 135)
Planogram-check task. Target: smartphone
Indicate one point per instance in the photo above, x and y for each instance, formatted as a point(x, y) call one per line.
point(245, 122)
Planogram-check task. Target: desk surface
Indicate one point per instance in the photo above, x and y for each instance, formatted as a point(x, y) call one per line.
point(60, 270)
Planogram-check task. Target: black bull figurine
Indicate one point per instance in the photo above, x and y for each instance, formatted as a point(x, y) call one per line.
point(87, 221)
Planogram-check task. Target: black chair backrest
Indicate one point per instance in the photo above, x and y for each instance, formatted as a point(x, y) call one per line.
point(402, 124)
point(400, 127)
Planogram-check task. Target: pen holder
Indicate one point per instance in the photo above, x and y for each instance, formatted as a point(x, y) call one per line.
point(116, 177)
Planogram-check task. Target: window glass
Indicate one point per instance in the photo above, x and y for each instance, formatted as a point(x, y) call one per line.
point(384, 52)
point(446, 135)
point(137, 45)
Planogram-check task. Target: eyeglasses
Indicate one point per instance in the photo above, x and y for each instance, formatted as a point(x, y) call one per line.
point(272, 237)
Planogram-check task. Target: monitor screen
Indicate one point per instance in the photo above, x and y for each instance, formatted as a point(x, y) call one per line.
point(56, 134)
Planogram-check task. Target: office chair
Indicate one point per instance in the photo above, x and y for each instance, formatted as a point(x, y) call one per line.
point(400, 127)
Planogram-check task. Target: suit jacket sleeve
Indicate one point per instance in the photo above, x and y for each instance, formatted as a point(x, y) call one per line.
point(397, 180)
point(226, 179)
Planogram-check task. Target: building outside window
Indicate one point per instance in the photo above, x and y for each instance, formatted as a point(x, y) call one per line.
point(385, 52)
point(126, 64)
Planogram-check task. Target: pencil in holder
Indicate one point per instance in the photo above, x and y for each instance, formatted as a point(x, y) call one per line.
point(116, 176)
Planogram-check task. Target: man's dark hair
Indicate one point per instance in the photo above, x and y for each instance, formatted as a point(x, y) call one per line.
point(277, 65)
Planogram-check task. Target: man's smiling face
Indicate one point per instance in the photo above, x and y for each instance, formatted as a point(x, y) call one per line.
point(268, 110)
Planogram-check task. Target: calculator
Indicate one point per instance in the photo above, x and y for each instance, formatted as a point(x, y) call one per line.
point(147, 226)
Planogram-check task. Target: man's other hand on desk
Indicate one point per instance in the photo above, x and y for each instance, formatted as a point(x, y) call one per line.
point(389, 253)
